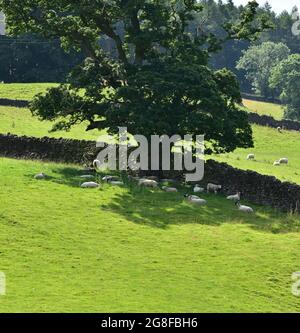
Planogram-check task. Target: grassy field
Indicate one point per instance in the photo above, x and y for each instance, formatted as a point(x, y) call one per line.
point(21, 122)
point(270, 145)
point(64, 249)
point(269, 109)
point(23, 91)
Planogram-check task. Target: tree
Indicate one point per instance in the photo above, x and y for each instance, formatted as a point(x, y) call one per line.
point(286, 77)
point(258, 62)
point(159, 84)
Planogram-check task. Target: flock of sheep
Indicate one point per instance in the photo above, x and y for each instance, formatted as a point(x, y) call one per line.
point(153, 182)
point(283, 160)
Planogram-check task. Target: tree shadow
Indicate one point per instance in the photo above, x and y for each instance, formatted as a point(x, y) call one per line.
point(158, 209)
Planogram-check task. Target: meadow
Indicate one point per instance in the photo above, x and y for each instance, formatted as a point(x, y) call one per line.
point(124, 249)
point(263, 108)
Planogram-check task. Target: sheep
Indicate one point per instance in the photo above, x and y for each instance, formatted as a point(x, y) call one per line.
point(250, 157)
point(89, 185)
point(148, 183)
point(279, 129)
point(116, 182)
point(284, 161)
point(213, 188)
point(195, 200)
point(235, 197)
point(276, 163)
point(198, 189)
point(169, 189)
point(40, 176)
point(109, 179)
point(87, 177)
point(243, 208)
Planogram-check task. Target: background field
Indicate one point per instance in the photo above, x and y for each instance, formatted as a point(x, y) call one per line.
point(23, 91)
point(262, 108)
point(120, 249)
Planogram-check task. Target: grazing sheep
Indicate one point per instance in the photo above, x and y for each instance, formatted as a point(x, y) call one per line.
point(40, 176)
point(276, 163)
point(250, 157)
point(198, 189)
point(89, 185)
point(284, 161)
point(235, 197)
point(195, 200)
point(169, 189)
point(243, 208)
point(148, 183)
point(213, 188)
point(279, 129)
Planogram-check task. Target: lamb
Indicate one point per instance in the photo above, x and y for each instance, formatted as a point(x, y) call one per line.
point(284, 161)
point(195, 200)
point(235, 197)
point(40, 176)
point(198, 189)
point(169, 189)
point(148, 183)
point(276, 163)
point(250, 157)
point(243, 208)
point(213, 188)
point(89, 185)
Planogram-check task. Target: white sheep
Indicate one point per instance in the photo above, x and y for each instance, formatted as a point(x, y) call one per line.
point(87, 177)
point(279, 129)
point(148, 183)
point(116, 182)
point(276, 163)
point(213, 188)
point(284, 161)
point(109, 179)
point(243, 208)
point(40, 176)
point(195, 200)
point(250, 157)
point(235, 197)
point(169, 189)
point(198, 189)
point(89, 185)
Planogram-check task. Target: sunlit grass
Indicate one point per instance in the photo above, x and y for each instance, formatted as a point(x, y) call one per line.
point(113, 249)
point(262, 108)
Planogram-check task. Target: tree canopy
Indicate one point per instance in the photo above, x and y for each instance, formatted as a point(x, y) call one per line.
point(258, 61)
point(160, 82)
point(286, 77)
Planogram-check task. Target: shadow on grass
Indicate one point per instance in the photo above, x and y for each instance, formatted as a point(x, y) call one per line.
point(159, 209)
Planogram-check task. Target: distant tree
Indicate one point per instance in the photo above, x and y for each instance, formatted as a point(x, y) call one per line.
point(286, 77)
point(159, 84)
point(258, 61)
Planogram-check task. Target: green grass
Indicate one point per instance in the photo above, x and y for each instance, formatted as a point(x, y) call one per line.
point(270, 145)
point(20, 121)
point(65, 249)
point(262, 108)
point(23, 91)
